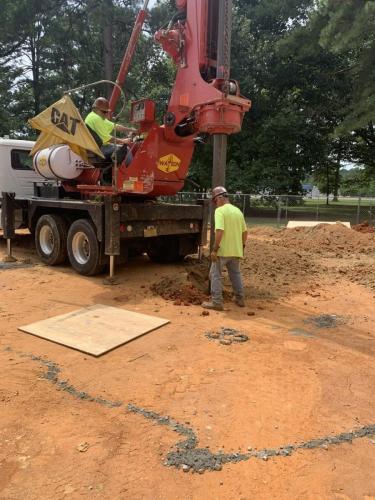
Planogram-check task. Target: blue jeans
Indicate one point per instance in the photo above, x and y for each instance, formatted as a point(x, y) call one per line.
point(109, 149)
point(233, 266)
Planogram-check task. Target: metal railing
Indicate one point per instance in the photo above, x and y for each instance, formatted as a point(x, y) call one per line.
point(278, 210)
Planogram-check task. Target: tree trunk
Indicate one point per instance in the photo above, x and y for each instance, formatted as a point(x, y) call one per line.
point(337, 181)
point(108, 45)
point(328, 187)
point(35, 70)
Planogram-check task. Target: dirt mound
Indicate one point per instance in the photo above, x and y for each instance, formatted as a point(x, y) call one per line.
point(364, 227)
point(277, 262)
point(326, 238)
point(179, 289)
point(360, 273)
point(269, 270)
point(263, 231)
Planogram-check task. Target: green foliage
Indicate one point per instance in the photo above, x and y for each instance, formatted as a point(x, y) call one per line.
point(355, 182)
point(297, 102)
point(348, 30)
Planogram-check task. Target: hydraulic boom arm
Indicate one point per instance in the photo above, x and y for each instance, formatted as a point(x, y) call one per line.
point(203, 100)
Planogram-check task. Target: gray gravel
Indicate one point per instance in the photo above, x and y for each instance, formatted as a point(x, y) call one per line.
point(227, 336)
point(14, 265)
point(325, 321)
point(52, 375)
point(186, 455)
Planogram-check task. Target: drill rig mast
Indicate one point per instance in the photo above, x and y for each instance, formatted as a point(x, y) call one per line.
point(203, 100)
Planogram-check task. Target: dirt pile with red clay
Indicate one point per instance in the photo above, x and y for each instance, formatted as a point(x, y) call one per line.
point(279, 260)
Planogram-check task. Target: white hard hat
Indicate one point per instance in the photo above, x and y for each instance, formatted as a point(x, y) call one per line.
point(218, 191)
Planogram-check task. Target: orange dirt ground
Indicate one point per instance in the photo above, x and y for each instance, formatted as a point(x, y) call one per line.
point(294, 381)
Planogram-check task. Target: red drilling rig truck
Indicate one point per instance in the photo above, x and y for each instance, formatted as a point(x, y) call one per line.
point(91, 222)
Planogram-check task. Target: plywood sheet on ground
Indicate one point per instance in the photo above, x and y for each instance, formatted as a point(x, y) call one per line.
point(96, 329)
point(312, 223)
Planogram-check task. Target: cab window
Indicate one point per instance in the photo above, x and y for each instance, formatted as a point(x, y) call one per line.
point(21, 159)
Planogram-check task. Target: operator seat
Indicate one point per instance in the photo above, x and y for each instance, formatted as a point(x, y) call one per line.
point(123, 153)
point(94, 159)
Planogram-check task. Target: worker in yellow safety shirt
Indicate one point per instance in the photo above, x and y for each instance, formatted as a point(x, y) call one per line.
point(228, 249)
point(103, 131)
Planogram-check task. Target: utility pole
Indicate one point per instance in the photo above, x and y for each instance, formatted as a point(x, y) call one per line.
point(222, 72)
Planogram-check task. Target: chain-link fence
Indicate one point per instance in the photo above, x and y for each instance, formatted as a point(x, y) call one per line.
point(278, 210)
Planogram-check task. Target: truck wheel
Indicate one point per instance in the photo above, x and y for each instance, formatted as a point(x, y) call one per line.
point(50, 239)
point(84, 248)
point(164, 250)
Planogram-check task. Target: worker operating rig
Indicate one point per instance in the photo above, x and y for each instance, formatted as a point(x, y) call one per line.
point(203, 100)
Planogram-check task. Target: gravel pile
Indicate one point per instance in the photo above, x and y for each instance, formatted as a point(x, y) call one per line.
point(227, 336)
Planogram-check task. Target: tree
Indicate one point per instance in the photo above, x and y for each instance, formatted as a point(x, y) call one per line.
point(297, 103)
point(355, 182)
point(348, 30)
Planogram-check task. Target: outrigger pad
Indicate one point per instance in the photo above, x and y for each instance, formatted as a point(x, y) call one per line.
point(95, 329)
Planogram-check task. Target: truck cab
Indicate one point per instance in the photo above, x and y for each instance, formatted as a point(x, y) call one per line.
point(16, 171)
point(16, 168)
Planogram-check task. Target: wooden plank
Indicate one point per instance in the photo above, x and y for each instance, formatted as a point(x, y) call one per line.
point(311, 223)
point(96, 329)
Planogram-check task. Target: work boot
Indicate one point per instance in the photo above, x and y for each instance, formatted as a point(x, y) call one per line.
point(240, 301)
point(216, 306)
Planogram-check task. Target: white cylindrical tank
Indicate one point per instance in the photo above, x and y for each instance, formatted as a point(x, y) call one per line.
point(58, 162)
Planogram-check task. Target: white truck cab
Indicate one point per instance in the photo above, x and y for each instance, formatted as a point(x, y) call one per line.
point(16, 171)
point(16, 168)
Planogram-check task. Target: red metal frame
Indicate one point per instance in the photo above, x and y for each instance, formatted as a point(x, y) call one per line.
point(128, 56)
point(162, 159)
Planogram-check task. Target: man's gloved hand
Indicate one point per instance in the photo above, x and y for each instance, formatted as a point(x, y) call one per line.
point(214, 256)
point(126, 141)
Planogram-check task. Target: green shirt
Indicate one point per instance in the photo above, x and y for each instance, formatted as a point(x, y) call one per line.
point(101, 126)
point(231, 220)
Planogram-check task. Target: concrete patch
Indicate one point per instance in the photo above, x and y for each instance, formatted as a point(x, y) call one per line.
point(300, 332)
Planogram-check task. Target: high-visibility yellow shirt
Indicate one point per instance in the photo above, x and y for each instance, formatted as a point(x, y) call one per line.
point(231, 220)
point(101, 126)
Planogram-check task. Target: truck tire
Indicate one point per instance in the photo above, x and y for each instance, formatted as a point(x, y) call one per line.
point(164, 250)
point(50, 239)
point(84, 248)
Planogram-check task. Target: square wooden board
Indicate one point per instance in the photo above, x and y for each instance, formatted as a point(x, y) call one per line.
point(312, 223)
point(95, 329)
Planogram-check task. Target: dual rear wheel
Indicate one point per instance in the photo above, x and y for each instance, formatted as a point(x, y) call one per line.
point(55, 242)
